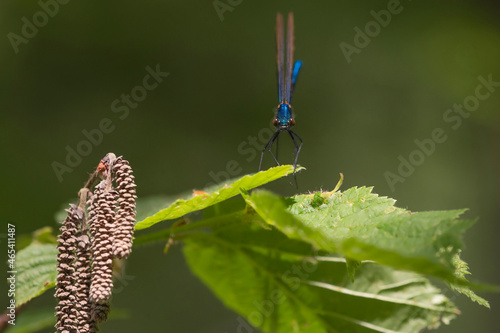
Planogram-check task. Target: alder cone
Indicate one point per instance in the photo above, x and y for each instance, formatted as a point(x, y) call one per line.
point(125, 213)
point(86, 250)
point(82, 287)
point(65, 311)
point(102, 217)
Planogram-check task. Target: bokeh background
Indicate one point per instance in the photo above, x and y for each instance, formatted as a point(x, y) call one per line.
point(355, 118)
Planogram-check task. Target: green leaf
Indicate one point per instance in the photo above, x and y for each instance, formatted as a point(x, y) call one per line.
point(462, 269)
point(223, 192)
point(278, 289)
point(36, 271)
point(363, 226)
point(352, 267)
point(317, 200)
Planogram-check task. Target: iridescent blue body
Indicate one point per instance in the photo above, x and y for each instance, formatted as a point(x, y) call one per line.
point(284, 114)
point(287, 76)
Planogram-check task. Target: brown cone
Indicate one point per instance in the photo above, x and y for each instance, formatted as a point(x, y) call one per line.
point(82, 287)
point(102, 217)
point(125, 214)
point(65, 310)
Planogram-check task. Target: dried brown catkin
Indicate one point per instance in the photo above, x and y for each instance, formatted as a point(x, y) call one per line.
point(65, 310)
point(125, 214)
point(82, 286)
point(102, 214)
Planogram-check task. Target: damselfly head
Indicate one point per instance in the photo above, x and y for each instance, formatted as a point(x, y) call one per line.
point(284, 116)
point(283, 124)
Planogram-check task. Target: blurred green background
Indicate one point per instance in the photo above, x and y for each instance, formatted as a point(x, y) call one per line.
point(355, 118)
